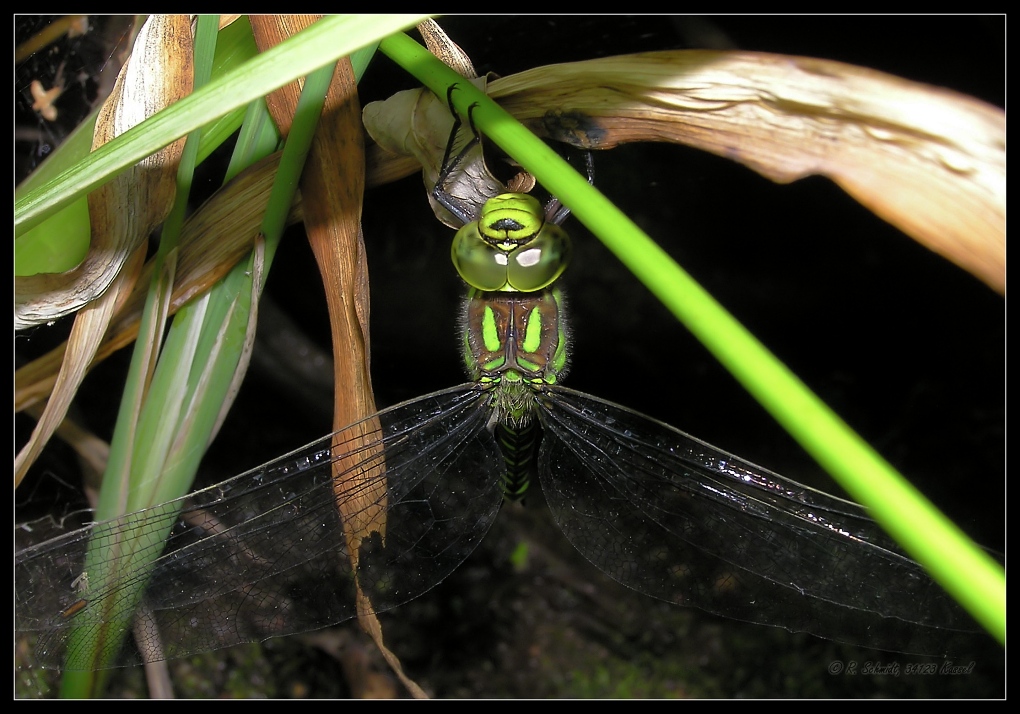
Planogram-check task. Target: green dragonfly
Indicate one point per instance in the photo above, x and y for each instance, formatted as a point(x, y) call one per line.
point(382, 511)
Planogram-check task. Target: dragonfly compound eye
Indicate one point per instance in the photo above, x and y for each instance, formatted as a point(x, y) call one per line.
point(541, 262)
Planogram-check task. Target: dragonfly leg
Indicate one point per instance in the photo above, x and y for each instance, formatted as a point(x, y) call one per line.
point(448, 166)
point(556, 212)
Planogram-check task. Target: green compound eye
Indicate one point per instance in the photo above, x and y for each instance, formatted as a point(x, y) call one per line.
point(510, 247)
point(539, 263)
point(481, 265)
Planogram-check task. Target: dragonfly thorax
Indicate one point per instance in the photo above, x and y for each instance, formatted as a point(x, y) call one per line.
point(517, 343)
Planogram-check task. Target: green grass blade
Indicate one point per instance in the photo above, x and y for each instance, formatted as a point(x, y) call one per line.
point(139, 441)
point(60, 242)
point(188, 393)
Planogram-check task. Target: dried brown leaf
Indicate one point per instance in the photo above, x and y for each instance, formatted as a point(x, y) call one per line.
point(928, 160)
point(124, 211)
point(417, 123)
point(212, 240)
point(86, 334)
point(332, 188)
point(448, 51)
point(371, 625)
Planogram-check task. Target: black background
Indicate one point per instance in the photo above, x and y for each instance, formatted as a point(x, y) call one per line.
point(905, 346)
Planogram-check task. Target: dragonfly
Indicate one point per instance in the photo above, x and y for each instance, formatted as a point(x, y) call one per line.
point(380, 512)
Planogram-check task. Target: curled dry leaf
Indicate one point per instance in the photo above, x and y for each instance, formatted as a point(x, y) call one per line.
point(332, 187)
point(418, 124)
point(124, 211)
point(86, 335)
point(212, 240)
point(928, 160)
point(448, 51)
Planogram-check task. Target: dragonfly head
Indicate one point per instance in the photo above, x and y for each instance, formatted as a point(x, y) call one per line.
point(511, 247)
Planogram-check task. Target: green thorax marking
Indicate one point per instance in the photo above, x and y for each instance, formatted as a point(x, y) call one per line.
point(517, 342)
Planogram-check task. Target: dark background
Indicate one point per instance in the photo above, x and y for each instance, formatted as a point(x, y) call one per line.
point(905, 346)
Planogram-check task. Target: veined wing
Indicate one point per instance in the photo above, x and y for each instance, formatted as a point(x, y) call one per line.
point(264, 554)
point(678, 519)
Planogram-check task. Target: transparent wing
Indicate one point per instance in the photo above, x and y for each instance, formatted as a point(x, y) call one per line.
point(680, 520)
point(266, 553)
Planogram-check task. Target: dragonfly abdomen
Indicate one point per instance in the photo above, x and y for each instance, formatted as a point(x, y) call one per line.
point(518, 445)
